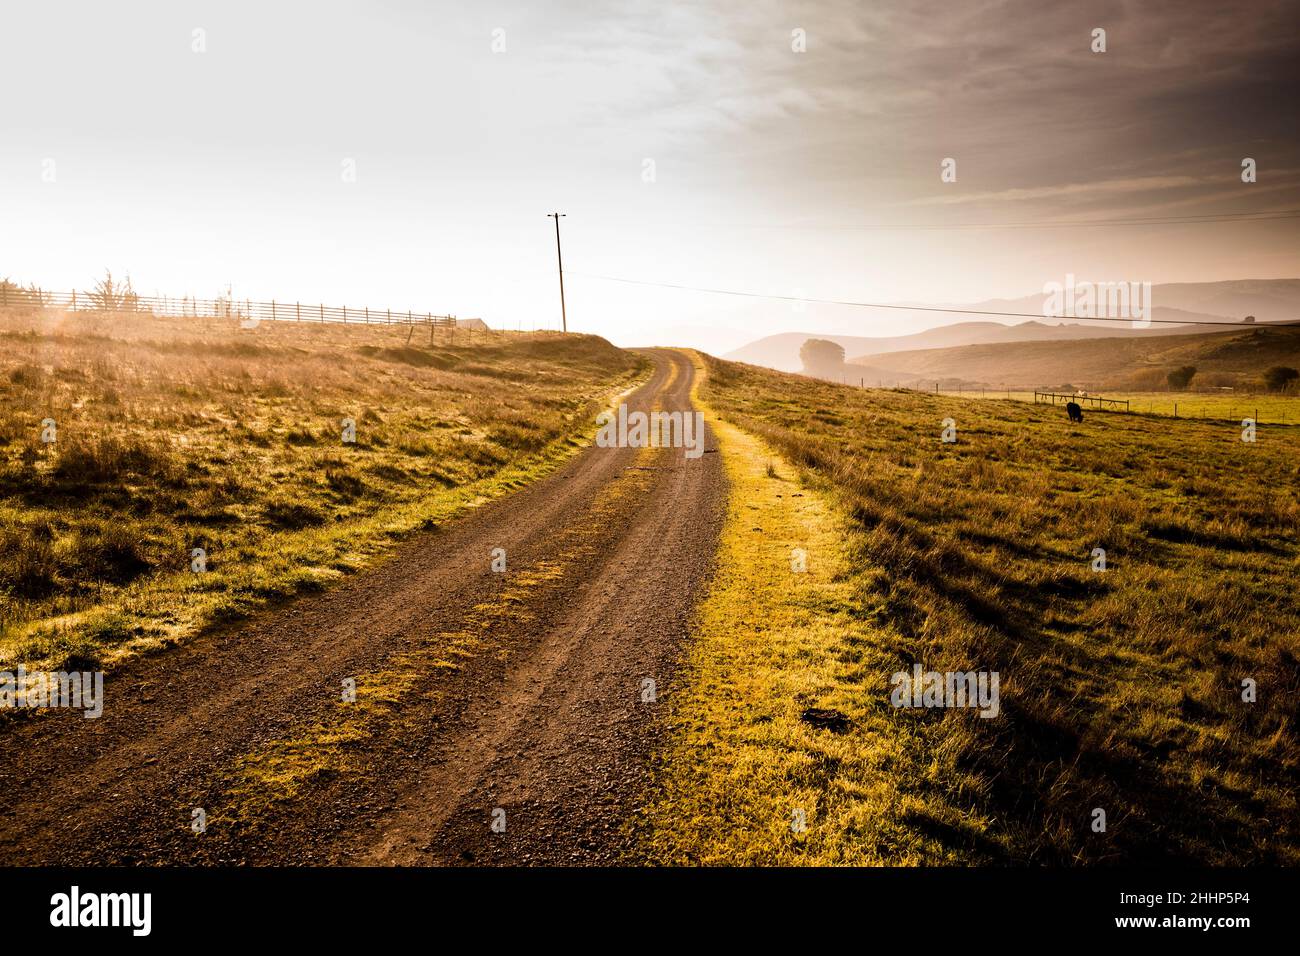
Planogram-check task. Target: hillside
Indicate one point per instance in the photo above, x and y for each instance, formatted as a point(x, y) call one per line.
point(177, 434)
point(1232, 358)
point(781, 352)
point(1120, 688)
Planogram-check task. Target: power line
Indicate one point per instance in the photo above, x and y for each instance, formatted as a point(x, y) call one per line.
point(1077, 223)
point(1197, 219)
point(912, 308)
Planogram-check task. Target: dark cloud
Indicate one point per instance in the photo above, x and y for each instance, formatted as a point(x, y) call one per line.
point(1012, 89)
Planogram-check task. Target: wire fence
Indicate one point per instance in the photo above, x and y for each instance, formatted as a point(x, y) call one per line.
point(1205, 404)
point(1077, 398)
point(245, 310)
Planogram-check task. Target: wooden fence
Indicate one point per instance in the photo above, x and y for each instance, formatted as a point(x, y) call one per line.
point(1092, 401)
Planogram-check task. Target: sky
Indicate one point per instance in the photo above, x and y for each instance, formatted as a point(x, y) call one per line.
point(406, 154)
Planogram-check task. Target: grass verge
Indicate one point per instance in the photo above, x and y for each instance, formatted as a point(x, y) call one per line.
point(1121, 689)
point(746, 779)
point(171, 435)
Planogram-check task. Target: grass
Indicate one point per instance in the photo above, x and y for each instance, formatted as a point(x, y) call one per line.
point(1266, 408)
point(746, 780)
point(1120, 690)
point(177, 434)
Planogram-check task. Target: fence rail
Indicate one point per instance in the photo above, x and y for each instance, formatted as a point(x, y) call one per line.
point(1094, 401)
point(242, 309)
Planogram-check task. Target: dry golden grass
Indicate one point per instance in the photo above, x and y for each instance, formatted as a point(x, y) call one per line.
point(175, 434)
point(1271, 409)
point(744, 779)
point(1120, 690)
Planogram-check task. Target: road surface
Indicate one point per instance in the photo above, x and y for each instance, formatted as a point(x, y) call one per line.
point(525, 695)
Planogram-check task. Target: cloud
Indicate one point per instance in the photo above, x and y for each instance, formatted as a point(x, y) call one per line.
point(1145, 184)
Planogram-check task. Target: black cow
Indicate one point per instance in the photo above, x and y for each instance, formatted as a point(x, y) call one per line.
point(1074, 411)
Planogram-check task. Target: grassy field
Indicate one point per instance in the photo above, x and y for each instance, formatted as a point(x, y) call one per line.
point(1265, 408)
point(1120, 690)
point(746, 780)
point(175, 435)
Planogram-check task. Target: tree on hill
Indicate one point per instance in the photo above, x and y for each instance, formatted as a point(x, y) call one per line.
point(1280, 377)
point(822, 358)
point(1181, 377)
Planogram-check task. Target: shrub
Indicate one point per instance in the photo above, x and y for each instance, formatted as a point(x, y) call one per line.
point(105, 460)
point(27, 376)
point(28, 563)
point(116, 557)
point(1280, 377)
point(292, 516)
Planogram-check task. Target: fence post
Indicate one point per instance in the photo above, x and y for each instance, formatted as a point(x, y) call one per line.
point(297, 311)
point(345, 315)
point(322, 311)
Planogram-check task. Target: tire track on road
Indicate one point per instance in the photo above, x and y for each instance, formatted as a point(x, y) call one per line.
point(537, 710)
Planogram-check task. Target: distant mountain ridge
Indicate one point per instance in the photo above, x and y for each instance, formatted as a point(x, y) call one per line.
point(781, 351)
point(1223, 358)
point(1269, 300)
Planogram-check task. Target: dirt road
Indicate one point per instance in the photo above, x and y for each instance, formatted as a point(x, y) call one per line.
point(521, 698)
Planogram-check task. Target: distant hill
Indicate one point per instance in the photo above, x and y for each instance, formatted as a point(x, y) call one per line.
point(1231, 358)
point(1269, 300)
point(781, 351)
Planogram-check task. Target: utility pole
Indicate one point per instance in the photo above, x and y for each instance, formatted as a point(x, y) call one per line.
point(564, 317)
